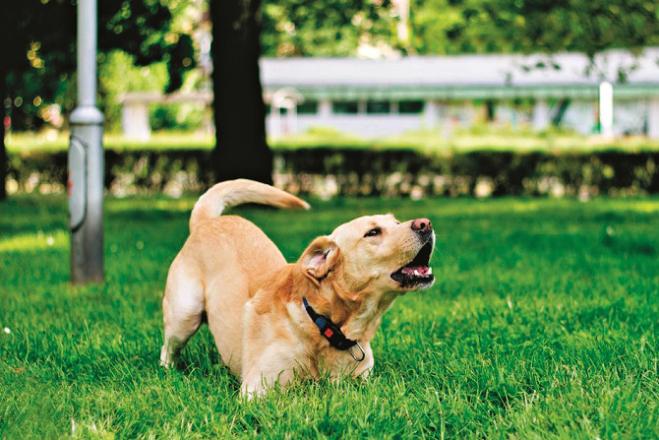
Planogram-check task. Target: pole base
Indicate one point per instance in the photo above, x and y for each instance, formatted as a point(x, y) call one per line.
point(86, 195)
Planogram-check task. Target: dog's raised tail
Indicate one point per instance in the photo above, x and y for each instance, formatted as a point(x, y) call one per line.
point(236, 192)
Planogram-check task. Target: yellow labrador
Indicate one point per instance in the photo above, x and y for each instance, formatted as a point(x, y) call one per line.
point(272, 320)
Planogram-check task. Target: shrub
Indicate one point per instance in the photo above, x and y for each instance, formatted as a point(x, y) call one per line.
point(356, 171)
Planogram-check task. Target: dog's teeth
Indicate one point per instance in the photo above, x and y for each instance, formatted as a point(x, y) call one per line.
point(416, 272)
point(430, 271)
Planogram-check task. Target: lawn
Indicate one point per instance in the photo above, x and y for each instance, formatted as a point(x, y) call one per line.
point(542, 324)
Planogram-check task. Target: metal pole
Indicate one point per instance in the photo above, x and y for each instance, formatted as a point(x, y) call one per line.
point(86, 159)
point(606, 109)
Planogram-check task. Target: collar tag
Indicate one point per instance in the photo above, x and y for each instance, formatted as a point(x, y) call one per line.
point(361, 350)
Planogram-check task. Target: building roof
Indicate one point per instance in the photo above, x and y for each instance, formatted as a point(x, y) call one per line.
point(564, 75)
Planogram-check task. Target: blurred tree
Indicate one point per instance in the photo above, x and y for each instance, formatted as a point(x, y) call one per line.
point(587, 27)
point(457, 26)
point(242, 32)
point(490, 26)
point(117, 74)
point(241, 149)
point(38, 50)
point(308, 28)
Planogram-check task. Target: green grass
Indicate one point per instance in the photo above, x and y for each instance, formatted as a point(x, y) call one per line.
point(542, 324)
point(474, 139)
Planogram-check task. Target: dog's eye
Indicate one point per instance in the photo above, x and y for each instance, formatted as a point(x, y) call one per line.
point(373, 232)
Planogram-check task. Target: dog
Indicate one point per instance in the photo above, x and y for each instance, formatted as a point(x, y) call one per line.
point(273, 321)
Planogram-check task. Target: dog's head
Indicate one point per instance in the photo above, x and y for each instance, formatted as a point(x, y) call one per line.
point(373, 254)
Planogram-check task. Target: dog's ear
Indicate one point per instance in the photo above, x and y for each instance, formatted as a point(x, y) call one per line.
point(319, 259)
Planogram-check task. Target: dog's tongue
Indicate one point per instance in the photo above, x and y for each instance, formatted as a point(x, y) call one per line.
point(416, 270)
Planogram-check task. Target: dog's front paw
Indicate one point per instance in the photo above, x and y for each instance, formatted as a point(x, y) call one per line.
point(250, 391)
point(166, 360)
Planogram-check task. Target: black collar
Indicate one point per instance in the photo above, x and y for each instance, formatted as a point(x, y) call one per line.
point(333, 333)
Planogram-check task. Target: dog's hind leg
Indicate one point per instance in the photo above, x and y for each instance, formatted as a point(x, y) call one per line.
point(183, 308)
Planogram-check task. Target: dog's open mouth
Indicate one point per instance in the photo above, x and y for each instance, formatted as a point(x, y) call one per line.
point(417, 272)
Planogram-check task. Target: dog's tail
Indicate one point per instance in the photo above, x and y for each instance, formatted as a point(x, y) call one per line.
point(236, 192)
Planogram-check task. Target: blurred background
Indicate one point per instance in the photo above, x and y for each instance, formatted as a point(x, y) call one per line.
point(526, 130)
point(375, 97)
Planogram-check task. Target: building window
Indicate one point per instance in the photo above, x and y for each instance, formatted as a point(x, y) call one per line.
point(410, 107)
point(378, 107)
point(307, 108)
point(345, 107)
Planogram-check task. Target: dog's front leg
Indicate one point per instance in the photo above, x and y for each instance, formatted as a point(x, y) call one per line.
point(274, 366)
point(258, 383)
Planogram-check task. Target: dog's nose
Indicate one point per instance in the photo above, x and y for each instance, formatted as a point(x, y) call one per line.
point(421, 225)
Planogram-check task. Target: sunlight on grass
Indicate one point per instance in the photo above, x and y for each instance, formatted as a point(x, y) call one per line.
point(41, 240)
point(39, 142)
point(429, 141)
point(648, 206)
point(176, 205)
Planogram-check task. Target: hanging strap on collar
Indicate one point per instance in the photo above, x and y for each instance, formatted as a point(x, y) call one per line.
point(333, 333)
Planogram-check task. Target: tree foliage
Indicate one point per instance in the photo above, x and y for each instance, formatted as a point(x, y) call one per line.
point(303, 27)
point(580, 26)
point(306, 27)
point(40, 60)
point(38, 51)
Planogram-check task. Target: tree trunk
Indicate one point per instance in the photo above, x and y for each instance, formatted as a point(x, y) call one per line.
point(4, 163)
point(241, 149)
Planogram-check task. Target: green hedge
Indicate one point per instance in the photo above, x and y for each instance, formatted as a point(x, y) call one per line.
point(354, 171)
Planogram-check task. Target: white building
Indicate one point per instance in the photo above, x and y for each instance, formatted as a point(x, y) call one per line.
point(379, 98)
